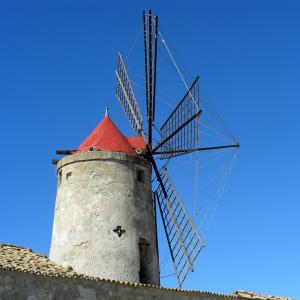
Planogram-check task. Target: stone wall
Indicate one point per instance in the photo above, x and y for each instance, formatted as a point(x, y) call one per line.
point(104, 222)
point(18, 285)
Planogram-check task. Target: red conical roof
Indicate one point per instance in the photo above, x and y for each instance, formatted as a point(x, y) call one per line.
point(137, 142)
point(107, 137)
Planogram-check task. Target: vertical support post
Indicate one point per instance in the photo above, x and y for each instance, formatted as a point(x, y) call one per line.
point(155, 62)
point(150, 75)
point(150, 45)
point(146, 61)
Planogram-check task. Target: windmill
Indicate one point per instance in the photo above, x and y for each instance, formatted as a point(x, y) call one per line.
point(179, 135)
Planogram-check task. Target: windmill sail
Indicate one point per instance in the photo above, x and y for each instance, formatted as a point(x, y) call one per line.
point(150, 47)
point(183, 238)
point(127, 98)
point(180, 132)
point(179, 135)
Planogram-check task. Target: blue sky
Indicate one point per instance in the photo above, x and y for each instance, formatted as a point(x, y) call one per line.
point(57, 61)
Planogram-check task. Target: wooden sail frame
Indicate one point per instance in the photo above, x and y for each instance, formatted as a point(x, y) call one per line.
point(180, 131)
point(126, 97)
point(184, 240)
point(150, 25)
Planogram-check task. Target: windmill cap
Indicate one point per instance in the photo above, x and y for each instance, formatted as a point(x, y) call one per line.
point(107, 137)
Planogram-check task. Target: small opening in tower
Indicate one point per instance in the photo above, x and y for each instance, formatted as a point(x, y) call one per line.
point(145, 260)
point(141, 176)
point(69, 174)
point(59, 177)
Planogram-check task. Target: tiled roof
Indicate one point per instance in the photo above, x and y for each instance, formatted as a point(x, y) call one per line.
point(107, 137)
point(24, 260)
point(137, 142)
point(14, 258)
point(251, 295)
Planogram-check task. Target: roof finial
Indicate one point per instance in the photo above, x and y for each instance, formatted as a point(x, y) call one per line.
point(106, 111)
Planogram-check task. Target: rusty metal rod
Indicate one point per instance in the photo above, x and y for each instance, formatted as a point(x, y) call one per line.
point(196, 149)
point(176, 130)
point(65, 152)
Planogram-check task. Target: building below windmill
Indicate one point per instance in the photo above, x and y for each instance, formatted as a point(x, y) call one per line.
point(26, 275)
point(104, 239)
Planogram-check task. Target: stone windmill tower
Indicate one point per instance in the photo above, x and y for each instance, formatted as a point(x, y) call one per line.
point(104, 223)
point(105, 216)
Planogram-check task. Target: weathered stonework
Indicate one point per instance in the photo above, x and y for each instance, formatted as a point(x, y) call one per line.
point(18, 285)
point(104, 221)
point(32, 276)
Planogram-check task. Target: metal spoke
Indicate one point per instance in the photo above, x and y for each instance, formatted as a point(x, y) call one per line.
point(180, 131)
point(183, 238)
point(150, 48)
point(186, 151)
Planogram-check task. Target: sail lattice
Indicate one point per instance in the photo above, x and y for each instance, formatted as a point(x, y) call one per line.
point(184, 122)
point(127, 98)
point(183, 238)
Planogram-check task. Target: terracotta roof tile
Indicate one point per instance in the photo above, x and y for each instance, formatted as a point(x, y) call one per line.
point(107, 137)
point(23, 259)
point(138, 143)
point(14, 258)
point(256, 296)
